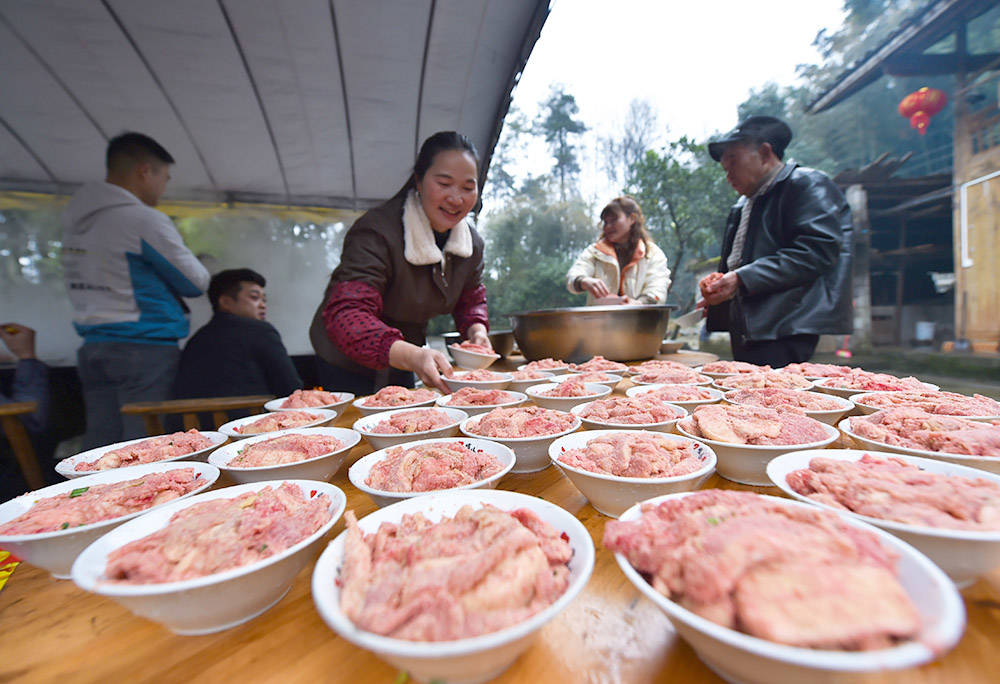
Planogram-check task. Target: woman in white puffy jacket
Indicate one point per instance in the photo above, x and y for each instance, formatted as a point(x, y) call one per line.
point(623, 266)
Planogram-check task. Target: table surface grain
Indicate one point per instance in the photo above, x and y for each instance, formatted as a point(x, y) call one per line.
point(53, 631)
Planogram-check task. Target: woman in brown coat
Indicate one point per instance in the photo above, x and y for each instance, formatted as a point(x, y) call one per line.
point(412, 258)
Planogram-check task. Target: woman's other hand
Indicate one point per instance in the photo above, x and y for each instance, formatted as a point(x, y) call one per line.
point(595, 286)
point(428, 364)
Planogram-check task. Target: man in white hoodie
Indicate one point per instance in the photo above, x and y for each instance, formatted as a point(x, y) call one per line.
point(127, 268)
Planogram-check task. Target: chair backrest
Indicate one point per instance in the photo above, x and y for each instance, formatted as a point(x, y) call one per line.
point(19, 441)
point(190, 408)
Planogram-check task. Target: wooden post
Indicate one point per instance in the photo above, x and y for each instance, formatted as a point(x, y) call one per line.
point(857, 199)
point(900, 280)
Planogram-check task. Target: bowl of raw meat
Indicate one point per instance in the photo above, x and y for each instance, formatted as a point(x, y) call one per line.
point(302, 454)
point(615, 469)
point(475, 401)
point(816, 598)
point(550, 562)
point(722, 369)
point(976, 407)
point(948, 512)
point(395, 397)
point(826, 408)
point(550, 365)
point(480, 379)
point(629, 413)
point(914, 432)
point(192, 445)
point(430, 465)
point(49, 527)
point(527, 430)
point(472, 356)
point(745, 438)
point(276, 421)
point(390, 428)
point(600, 377)
point(310, 399)
point(864, 381)
point(764, 380)
point(501, 340)
point(521, 380)
point(688, 397)
point(164, 566)
point(562, 396)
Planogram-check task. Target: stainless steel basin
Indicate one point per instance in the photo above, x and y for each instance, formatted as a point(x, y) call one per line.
point(574, 334)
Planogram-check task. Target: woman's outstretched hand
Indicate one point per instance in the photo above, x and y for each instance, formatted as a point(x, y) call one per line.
point(428, 364)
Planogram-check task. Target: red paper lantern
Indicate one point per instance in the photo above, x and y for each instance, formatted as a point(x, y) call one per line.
point(921, 105)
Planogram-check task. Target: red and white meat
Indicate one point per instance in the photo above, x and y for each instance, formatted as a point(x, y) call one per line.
point(149, 450)
point(428, 467)
point(635, 454)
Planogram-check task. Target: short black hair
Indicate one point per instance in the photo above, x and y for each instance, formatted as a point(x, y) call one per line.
point(230, 281)
point(131, 148)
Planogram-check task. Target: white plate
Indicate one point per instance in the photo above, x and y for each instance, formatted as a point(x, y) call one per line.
point(665, 426)
point(829, 386)
point(66, 466)
point(215, 602)
point(518, 398)
point(359, 472)
point(476, 659)
point(457, 381)
point(319, 468)
point(595, 391)
point(739, 657)
point(337, 407)
point(55, 551)
point(964, 555)
point(230, 428)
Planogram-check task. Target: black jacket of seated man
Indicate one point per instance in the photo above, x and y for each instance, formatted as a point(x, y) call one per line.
point(235, 356)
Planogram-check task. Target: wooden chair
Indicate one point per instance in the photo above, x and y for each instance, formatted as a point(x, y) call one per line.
point(190, 408)
point(19, 441)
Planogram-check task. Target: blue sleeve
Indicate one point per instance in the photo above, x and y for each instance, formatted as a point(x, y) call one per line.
point(31, 383)
point(177, 281)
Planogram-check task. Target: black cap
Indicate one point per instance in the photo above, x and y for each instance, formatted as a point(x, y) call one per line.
point(759, 129)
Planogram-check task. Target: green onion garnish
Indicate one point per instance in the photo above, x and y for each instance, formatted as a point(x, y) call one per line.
point(77, 492)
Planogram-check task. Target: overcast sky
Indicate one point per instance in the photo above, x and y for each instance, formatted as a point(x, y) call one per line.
point(695, 60)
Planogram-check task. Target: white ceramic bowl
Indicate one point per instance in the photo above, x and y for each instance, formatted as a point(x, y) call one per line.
point(229, 428)
point(613, 494)
point(66, 466)
point(365, 424)
point(595, 391)
point(639, 390)
point(988, 463)
point(531, 452)
point(558, 370)
point(337, 407)
point(457, 381)
point(719, 384)
point(56, 551)
point(517, 399)
point(739, 657)
point(463, 661)
point(359, 472)
point(320, 468)
point(829, 386)
point(665, 426)
point(964, 555)
point(704, 380)
point(521, 385)
point(867, 409)
point(215, 602)
point(359, 404)
point(470, 359)
point(830, 417)
point(747, 463)
point(612, 383)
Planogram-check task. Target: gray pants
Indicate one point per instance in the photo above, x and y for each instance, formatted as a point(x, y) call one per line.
point(116, 373)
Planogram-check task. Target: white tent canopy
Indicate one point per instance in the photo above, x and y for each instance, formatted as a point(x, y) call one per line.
point(307, 102)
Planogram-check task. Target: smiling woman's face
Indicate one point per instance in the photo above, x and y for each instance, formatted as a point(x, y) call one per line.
point(449, 189)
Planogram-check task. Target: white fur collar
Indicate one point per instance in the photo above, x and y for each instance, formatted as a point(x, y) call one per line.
point(418, 236)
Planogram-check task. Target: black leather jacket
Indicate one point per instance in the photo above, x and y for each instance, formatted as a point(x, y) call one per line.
point(796, 273)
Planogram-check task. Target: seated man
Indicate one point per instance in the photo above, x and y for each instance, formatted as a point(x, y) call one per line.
point(31, 383)
point(237, 353)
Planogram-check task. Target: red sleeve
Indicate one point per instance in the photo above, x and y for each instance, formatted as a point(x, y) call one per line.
point(471, 308)
point(353, 323)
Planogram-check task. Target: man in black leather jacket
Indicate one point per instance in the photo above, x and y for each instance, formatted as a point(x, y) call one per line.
point(785, 274)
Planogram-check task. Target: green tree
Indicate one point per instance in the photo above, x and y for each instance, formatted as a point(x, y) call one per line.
point(685, 198)
point(560, 129)
point(639, 133)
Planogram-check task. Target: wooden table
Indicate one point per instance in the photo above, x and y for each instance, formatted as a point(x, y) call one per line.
point(53, 631)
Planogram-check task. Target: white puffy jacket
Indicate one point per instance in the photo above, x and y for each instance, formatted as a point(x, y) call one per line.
point(646, 278)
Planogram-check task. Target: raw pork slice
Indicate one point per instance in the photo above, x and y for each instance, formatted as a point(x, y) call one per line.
point(863, 381)
point(673, 376)
point(568, 389)
point(792, 574)
point(472, 396)
point(414, 420)
point(916, 429)
point(680, 393)
point(599, 363)
point(395, 396)
point(86, 505)
point(819, 370)
point(523, 421)
point(481, 571)
point(149, 450)
point(941, 403)
point(279, 420)
point(221, 534)
point(528, 375)
point(781, 379)
point(635, 454)
point(733, 367)
point(474, 348)
point(427, 467)
point(481, 375)
point(737, 424)
point(889, 488)
point(314, 398)
point(546, 364)
point(774, 397)
point(285, 449)
point(641, 410)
